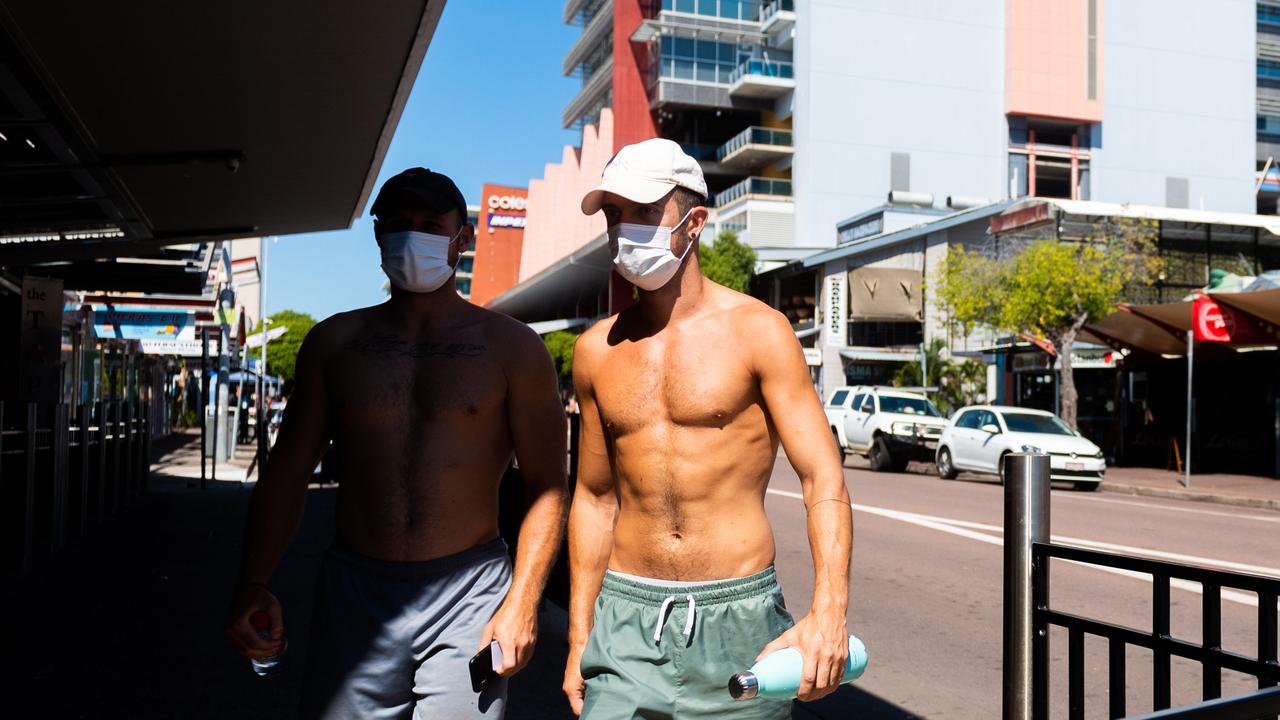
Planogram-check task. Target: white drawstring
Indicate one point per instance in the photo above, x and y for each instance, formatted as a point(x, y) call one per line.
point(662, 616)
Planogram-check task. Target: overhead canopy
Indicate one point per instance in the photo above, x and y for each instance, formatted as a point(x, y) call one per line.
point(888, 294)
point(137, 124)
point(557, 291)
point(1123, 329)
point(1263, 304)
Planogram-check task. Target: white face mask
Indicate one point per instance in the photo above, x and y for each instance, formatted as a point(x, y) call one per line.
point(642, 253)
point(417, 261)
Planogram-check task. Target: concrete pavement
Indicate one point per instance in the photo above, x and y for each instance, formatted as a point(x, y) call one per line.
point(927, 582)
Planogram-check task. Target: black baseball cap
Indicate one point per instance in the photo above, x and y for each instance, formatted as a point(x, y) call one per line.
point(433, 188)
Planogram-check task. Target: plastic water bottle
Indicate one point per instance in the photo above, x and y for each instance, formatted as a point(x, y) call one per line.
point(267, 666)
point(777, 675)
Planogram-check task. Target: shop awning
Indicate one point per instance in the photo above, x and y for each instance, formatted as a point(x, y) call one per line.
point(887, 294)
point(1263, 304)
point(135, 125)
point(555, 292)
point(1162, 329)
point(1127, 330)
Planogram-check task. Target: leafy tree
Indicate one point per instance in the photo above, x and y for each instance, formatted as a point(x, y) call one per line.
point(1049, 288)
point(958, 382)
point(282, 352)
point(728, 262)
point(560, 345)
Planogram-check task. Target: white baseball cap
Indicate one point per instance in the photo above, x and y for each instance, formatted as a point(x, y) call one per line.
point(645, 171)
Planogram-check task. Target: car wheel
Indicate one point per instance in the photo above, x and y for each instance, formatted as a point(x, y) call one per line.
point(880, 457)
point(839, 448)
point(1086, 486)
point(946, 468)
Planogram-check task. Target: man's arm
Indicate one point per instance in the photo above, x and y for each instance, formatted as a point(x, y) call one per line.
point(536, 421)
point(591, 520)
point(802, 427)
point(278, 499)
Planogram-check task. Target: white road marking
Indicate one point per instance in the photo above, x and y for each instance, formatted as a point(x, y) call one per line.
point(968, 529)
point(1154, 506)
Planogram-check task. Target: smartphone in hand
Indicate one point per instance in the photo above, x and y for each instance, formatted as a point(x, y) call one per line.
point(484, 666)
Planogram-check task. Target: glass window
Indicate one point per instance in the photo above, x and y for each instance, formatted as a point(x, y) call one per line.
point(857, 401)
point(1028, 423)
point(707, 50)
point(685, 6)
point(908, 406)
point(729, 9)
point(684, 47)
point(706, 72)
point(728, 53)
point(839, 397)
point(968, 419)
point(869, 404)
point(683, 69)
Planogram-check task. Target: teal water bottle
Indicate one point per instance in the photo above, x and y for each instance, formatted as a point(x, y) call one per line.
point(777, 675)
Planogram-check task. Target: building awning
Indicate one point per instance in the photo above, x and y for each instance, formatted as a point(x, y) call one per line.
point(555, 292)
point(873, 355)
point(1124, 329)
point(1262, 304)
point(137, 125)
point(549, 326)
point(1162, 329)
point(886, 294)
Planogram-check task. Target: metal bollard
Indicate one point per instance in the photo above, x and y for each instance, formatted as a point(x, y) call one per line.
point(1026, 521)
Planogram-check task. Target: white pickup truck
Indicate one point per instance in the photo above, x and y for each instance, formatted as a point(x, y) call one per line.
point(890, 427)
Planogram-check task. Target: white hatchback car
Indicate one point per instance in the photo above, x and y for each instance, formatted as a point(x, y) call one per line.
point(978, 438)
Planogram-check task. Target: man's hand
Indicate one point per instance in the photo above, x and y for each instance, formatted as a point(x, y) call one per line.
point(515, 627)
point(247, 600)
point(824, 642)
point(575, 688)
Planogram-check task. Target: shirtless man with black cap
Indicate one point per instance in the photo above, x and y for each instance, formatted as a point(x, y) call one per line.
point(684, 399)
point(426, 398)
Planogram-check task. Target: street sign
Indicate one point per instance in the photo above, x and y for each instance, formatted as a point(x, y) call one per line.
point(1215, 323)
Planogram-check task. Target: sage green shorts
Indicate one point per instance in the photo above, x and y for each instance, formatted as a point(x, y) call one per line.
point(662, 650)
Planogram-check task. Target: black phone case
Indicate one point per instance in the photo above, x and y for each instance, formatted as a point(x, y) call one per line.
point(481, 668)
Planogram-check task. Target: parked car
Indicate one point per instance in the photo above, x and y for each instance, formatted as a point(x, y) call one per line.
point(889, 426)
point(978, 437)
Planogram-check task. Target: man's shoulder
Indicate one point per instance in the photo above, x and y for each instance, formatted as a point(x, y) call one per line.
point(749, 314)
point(597, 335)
point(340, 327)
point(503, 329)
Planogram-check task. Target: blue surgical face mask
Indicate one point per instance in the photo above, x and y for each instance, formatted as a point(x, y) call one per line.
point(416, 261)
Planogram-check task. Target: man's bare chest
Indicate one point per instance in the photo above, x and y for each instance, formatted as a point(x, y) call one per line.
point(382, 377)
point(641, 387)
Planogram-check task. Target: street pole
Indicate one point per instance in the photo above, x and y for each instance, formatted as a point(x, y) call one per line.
point(204, 403)
point(924, 370)
point(262, 359)
point(1026, 521)
point(1186, 456)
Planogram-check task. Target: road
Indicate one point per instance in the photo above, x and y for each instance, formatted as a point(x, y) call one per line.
point(926, 587)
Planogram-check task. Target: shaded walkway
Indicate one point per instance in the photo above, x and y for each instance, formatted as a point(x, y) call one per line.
point(128, 622)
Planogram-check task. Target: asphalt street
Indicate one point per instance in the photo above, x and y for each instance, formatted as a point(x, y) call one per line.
point(925, 591)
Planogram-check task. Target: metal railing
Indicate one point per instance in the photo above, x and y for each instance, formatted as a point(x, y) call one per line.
point(762, 68)
point(65, 475)
point(1028, 616)
point(778, 6)
point(753, 186)
point(754, 135)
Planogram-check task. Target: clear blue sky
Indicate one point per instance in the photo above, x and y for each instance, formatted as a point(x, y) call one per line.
point(486, 108)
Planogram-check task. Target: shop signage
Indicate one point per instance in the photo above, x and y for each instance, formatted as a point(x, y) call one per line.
point(40, 340)
point(1215, 323)
point(144, 324)
point(507, 202)
point(835, 296)
point(506, 221)
point(812, 356)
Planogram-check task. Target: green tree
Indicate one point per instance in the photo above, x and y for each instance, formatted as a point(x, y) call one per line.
point(958, 382)
point(728, 262)
point(560, 345)
point(282, 352)
point(1049, 288)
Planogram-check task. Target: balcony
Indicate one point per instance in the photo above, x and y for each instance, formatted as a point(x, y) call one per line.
point(762, 79)
point(778, 21)
point(753, 148)
point(754, 187)
point(596, 32)
point(592, 91)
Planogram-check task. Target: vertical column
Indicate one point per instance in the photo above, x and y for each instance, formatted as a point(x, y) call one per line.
point(61, 452)
point(102, 410)
point(29, 494)
point(1026, 521)
point(86, 416)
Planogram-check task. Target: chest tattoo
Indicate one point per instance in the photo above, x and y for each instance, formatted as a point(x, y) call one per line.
point(392, 345)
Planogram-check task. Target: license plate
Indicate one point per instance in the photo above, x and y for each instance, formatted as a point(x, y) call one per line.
point(1075, 466)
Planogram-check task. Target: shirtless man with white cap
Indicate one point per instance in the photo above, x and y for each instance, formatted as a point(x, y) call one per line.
point(684, 398)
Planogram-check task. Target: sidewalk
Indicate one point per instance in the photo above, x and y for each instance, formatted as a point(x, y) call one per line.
point(1239, 490)
point(128, 622)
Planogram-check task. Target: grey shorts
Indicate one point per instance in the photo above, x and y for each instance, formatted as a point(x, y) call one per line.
point(392, 639)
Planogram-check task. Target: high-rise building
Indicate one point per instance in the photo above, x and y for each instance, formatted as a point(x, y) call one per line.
point(807, 114)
